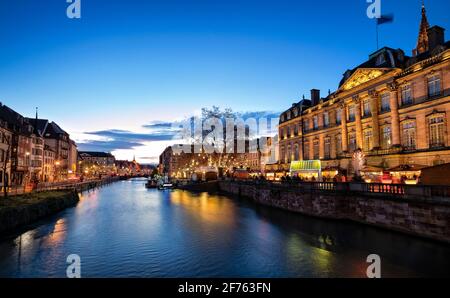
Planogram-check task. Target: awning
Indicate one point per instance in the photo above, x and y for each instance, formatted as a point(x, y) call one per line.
point(306, 166)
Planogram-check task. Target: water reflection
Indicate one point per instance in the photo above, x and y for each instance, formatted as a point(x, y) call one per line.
point(124, 230)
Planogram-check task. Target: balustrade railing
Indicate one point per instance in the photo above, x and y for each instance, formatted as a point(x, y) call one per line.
point(380, 189)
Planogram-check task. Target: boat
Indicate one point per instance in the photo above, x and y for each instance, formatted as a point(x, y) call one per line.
point(165, 186)
point(151, 184)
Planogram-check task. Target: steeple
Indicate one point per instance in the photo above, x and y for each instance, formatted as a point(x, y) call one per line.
point(36, 131)
point(422, 42)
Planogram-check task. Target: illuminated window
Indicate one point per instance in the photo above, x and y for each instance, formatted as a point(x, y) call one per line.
point(409, 135)
point(385, 105)
point(368, 140)
point(352, 141)
point(437, 128)
point(434, 85)
point(385, 137)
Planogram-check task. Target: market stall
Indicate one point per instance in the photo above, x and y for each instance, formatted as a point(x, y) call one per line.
point(407, 174)
point(372, 174)
point(308, 170)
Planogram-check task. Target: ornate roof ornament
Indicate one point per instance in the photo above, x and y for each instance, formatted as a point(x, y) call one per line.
point(373, 93)
point(361, 76)
point(393, 86)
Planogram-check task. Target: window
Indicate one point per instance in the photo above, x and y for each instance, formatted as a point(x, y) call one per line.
point(406, 95)
point(437, 127)
point(368, 140)
point(295, 130)
point(316, 149)
point(288, 133)
point(409, 135)
point(385, 137)
point(289, 154)
point(296, 155)
point(327, 148)
point(326, 119)
point(281, 133)
point(338, 145)
point(351, 113)
point(306, 151)
point(352, 141)
point(283, 155)
point(385, 104)
point(315, 122)
point(434, 85)
point(338, 116)
point(306, 125)
point(366, 108)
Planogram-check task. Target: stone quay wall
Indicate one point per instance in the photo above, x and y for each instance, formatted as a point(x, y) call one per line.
point(405, 209)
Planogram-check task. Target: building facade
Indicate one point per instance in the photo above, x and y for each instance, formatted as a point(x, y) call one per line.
point(392, 110)
point(97, 163)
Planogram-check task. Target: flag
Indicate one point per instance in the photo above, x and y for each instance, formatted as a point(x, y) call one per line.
point(384, 19)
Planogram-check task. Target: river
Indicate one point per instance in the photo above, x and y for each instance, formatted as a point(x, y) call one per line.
point(125, 230)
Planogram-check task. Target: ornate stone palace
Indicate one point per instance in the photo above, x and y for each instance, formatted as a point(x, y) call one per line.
point(394, 108)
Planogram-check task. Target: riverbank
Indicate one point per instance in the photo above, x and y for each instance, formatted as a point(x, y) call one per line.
point(17, 211)
point(20, 210)
point(407, 210)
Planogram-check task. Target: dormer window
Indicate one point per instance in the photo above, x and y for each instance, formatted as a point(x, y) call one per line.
point(380, 60)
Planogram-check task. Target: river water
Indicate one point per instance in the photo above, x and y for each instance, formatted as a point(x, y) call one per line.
point(125, 230)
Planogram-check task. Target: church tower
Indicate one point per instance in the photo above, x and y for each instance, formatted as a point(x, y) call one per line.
point(422, 42)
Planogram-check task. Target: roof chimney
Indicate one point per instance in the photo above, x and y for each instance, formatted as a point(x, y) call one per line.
point(436, 37)
point(315, 96)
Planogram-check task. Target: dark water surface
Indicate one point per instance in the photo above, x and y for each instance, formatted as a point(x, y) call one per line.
point(125, 230)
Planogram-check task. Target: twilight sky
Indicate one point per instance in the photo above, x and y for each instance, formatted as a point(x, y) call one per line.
point(116, 78)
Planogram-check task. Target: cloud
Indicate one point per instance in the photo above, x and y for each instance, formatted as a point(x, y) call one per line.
point(158, 133)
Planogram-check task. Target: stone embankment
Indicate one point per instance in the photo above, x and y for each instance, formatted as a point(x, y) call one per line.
point(20, 210)
point(418, 210)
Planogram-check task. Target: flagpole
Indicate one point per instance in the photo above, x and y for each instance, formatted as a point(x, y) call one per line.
point(376, 24)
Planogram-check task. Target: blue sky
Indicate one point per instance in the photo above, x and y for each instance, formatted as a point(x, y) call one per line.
point(126, 64)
